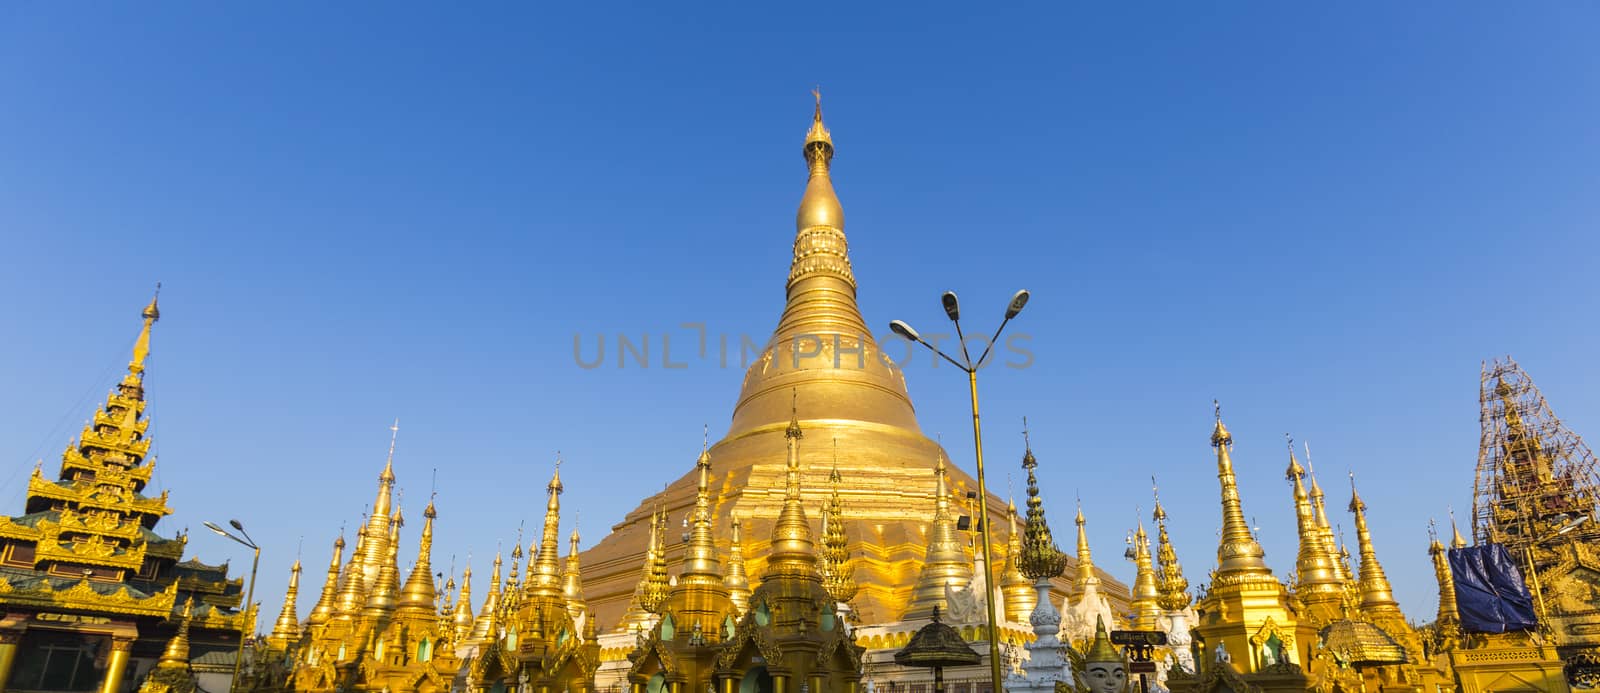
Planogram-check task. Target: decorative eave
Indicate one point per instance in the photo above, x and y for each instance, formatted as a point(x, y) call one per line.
point(170, 548)
point(201, 585)
point(215, 619)
point(81, 596)
point(117, 442)
point(12, 530)
point(113, 526)
point(94, 551)
point(89, 497)
point(74, 459)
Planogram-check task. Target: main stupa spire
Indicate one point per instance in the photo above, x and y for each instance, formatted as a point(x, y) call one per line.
point(822, 344)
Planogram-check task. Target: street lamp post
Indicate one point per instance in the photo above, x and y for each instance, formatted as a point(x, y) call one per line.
point(250, 593)
point(952, 309)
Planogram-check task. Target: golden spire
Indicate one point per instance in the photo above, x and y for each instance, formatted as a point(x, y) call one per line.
point(1449, 613)
point(1086, 576)
point(658, 584)
point(381, 600)
point(637, 617)
point(330, 587)
point(1101, 649)
point(701, 569)
point(1325, 529)
point(1041, 559)
point(141, 346)
point(572, 581)
point(1146, 594)
point(1376, 595)
point(419, 592)
point(1238, 553)
point(945, 563)
point(838, 575)
point(177, 652)
point(510, 593)
point(463, 617)
point(738, 585)
point(483, 627)
point(1456, 541)
point(373, 547)
point(1173, 586)
point(793, 553)
point(544, 575)
point(287, 629)
point(1015, 589)
point(352, 585)
point(1317, 575)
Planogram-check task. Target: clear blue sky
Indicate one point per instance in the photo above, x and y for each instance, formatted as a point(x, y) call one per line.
point(1324, 215)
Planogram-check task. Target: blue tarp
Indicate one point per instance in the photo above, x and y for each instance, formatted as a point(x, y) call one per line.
point(1490, 592)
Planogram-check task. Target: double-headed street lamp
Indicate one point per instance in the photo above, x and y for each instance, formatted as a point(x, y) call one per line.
point(250, 593)
point(952, 308)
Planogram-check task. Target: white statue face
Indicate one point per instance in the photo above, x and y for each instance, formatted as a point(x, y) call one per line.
point(1106, 677)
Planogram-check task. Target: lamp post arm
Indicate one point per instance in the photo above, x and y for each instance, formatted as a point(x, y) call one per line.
point(962, 340)
point(952, 361)
point(985, 356)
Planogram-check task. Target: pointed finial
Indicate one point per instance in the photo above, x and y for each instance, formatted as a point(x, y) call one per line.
point(152, 312)
point(388, 465)
point(1219, 434)
point(818, 138)
point(794, 416)
point(1456, 540)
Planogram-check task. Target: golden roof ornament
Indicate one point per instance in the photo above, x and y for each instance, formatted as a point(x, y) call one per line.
point(1238, 552)
point(838, 575)
point(700, 565)
point(1172, 585)
point(1146, 593)
point(420, 593)
point(658, 584)
point(1086, 577)
point(1040, 557)
point(330, 587)
point(572, 580)
point(1319, 510)
point(463, 619)
point(141, 346)
point(287, 627)
point(737, 583)
point(1101, 649)
point(544, 572)
point(793, 551)
point(945, 563)
point(177, 652)
point(1456, 540)
point(1018, 594)
point(1376, 594)
point(1317, 578)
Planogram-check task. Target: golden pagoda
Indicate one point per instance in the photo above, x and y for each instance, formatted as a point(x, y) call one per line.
point(680, 653)
point(89, 591)
point(1246, 635)
point(792, 639)
point(535, 641)
point(1146, 607)
point(822, 354)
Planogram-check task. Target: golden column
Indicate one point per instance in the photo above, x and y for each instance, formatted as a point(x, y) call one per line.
point(8, 654)
point(952, 309)
point(115, 664)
